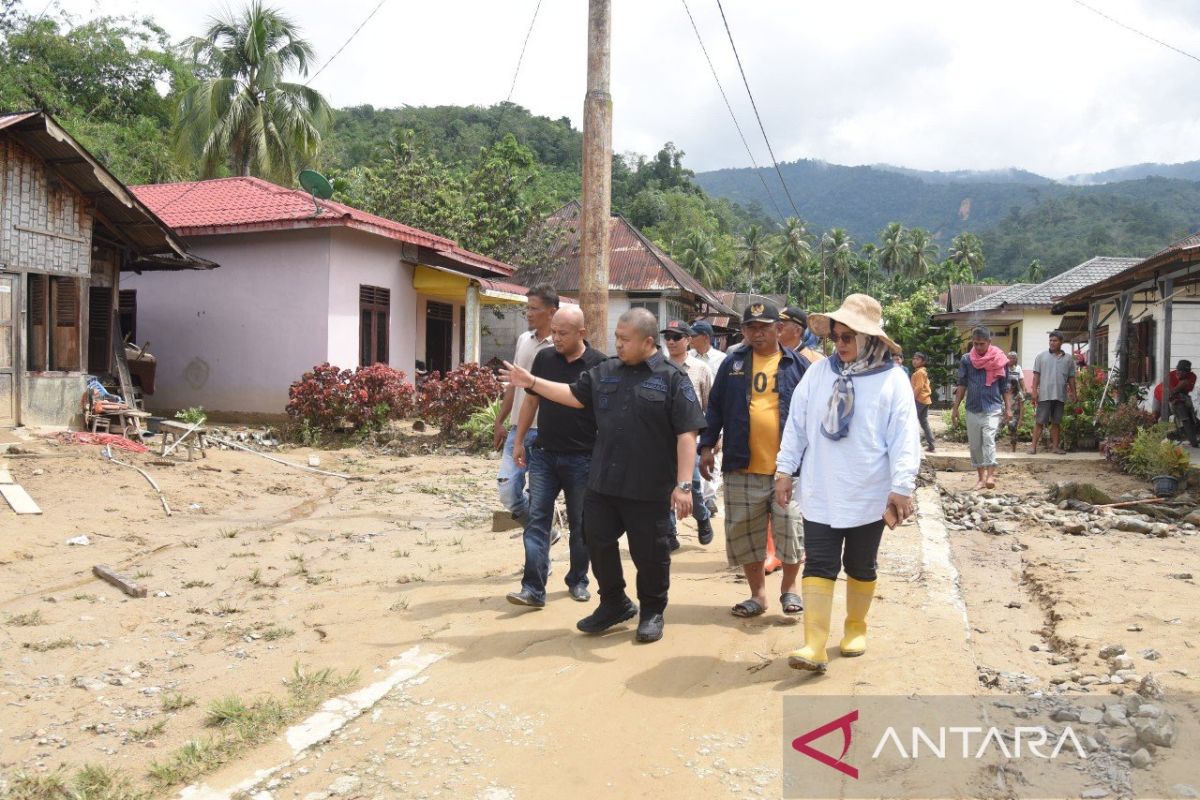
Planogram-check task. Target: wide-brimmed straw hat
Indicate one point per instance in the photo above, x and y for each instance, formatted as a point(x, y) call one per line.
point(860, 313)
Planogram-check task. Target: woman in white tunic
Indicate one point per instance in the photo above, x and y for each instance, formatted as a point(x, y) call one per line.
point(852, 432)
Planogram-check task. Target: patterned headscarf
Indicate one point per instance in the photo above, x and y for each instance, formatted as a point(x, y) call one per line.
point(873, 356)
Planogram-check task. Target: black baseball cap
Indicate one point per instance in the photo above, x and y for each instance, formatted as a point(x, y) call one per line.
point(794, 314)
point(677, 326)
point(760, 312)
point(702, 327)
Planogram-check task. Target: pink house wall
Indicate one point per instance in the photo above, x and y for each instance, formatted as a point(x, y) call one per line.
point(234, 338)
point(361, 259)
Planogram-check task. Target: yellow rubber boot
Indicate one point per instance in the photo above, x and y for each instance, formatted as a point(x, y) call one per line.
point(858, 603)
point(818, 608)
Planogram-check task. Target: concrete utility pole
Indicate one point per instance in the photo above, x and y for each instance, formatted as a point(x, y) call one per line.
point(597, 176)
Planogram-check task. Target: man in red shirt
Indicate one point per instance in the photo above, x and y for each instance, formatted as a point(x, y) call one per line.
point(1181, 379)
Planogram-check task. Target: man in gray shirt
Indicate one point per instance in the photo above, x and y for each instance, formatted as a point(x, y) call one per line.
point(1053, 385)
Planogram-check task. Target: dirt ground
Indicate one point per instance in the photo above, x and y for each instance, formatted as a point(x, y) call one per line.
point(263, 567)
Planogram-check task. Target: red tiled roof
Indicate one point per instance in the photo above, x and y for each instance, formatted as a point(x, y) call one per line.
point(634, 262)
point(243, 205)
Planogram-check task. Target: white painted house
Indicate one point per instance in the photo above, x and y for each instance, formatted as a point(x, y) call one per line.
point(1021, 315)
point(301, 282)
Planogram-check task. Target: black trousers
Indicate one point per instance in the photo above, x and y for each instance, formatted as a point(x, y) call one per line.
point(827, 550)
point(647, 523)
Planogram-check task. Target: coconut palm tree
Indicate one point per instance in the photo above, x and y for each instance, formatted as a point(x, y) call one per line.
point(754, 255)
point(1034, 272)
point(795, 253)
point(246, 116)
point(921, 253)
point(837, 257)
point(699, 258)
point(891, 252)
point(966, 249)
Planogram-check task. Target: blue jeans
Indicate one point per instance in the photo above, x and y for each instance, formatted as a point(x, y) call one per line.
point(550, 473)
point(511, 479)
point(699, 510)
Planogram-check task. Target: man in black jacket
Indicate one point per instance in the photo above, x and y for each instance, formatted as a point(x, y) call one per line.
point(749, 402)
point(647, 416)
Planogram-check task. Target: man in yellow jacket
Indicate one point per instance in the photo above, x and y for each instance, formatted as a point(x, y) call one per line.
point(923, 394)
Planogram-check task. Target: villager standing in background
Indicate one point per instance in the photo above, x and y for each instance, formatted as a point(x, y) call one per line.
point(923, 396)
point(983, 383)
point(675, 338)
point(1053, 385)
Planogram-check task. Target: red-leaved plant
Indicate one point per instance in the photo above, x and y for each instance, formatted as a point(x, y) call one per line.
point(328, 398)
point(447, 401)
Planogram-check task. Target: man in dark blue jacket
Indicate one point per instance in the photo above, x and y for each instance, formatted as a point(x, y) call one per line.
point(749, 403)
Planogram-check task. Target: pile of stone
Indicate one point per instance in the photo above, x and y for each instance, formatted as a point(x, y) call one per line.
point(1064, 509)
point(258, 438)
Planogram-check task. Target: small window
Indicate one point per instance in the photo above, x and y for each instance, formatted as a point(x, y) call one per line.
point(52, 323)
point(127, 308)
point(1098, 357)
point(374, 312)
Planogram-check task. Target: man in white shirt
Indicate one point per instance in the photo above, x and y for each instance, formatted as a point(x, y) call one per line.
point(702, 348)
point(540, 304)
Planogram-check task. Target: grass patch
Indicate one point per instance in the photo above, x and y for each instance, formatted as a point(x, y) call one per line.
point(197, 584)
point(25, 620)
point(273, 633)
point(91, 598)
point(240, 726)
point(143, 573)
point(149, 732)
point(400, 605)
point(49, 644)
point(400, 554)
point(228, 533)
point(174, 701)
point(246, 554)
point(89, 782)
point(224, 609)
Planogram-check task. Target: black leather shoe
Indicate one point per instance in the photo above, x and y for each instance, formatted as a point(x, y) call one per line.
point(706, 532)
point(580, 593)
point(605, 617)
point(650, 629)
point(524, 598)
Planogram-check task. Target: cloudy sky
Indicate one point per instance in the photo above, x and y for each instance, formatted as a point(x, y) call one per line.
point(1045, 85)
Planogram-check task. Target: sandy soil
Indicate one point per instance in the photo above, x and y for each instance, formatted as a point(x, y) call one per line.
point(263, 567)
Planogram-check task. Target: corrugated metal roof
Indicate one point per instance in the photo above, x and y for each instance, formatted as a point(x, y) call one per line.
point(995, 299)
point(1186, 250)
point(635, 264)
point(963, 294)
point(120, 208)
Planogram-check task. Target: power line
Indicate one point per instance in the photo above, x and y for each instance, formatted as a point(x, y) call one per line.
point(1132, 29)
point(731, 114)
point(512, 87)
point(757, 116)
point(378, 6)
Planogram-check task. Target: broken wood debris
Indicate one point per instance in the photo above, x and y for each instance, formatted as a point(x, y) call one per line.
point(19, 499)
point(110, 575)
point(107, 453)
point(285, 463)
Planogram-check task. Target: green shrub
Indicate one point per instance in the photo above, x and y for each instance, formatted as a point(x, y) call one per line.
point(480, 426)
point(1152, 454)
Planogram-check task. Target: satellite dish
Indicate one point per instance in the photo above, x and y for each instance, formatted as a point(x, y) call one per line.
point(317, 185)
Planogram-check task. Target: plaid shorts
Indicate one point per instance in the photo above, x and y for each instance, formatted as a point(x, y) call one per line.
point(749, 503)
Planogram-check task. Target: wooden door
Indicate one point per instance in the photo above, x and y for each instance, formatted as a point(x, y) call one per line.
point(8, 351)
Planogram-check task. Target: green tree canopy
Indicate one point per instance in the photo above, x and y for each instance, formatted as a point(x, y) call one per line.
point(244, 115)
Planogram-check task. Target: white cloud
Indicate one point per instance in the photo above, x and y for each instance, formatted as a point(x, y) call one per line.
point(942, 84)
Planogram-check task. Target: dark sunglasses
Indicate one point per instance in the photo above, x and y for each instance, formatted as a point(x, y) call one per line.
point(673, 337)
point(844, 338)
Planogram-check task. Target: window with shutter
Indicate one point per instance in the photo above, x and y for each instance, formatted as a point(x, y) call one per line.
point(64, 336)
point(99, 328)
point(37, 338)
point(374, 314)
point(127, 308)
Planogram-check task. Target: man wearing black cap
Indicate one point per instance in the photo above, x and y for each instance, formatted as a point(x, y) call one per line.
point(675, 337)
point(794, 335)
point(749, 404)
point(702, 346)
point(647, 417)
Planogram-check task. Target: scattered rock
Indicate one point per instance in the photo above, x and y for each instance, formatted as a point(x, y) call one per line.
point(1150, 654)
point(345, 784)
point(1095, 793)
point(1182, 790)
point(1065, 715)
point(1135, 627)
point(1110, 650)
point(1075, 528)
point(1141, 759)
point(1118, 663)
point(1160, 529)
point(1090, 716)
point(79, 541)
point(1150, 688)
point(1115, 715)
point(1158, 731)
point(1181, 576)
point(1133, 524)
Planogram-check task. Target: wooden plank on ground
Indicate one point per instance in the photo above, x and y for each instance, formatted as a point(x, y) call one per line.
point(19, 499)
point(5, 475)
point(107, 573)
